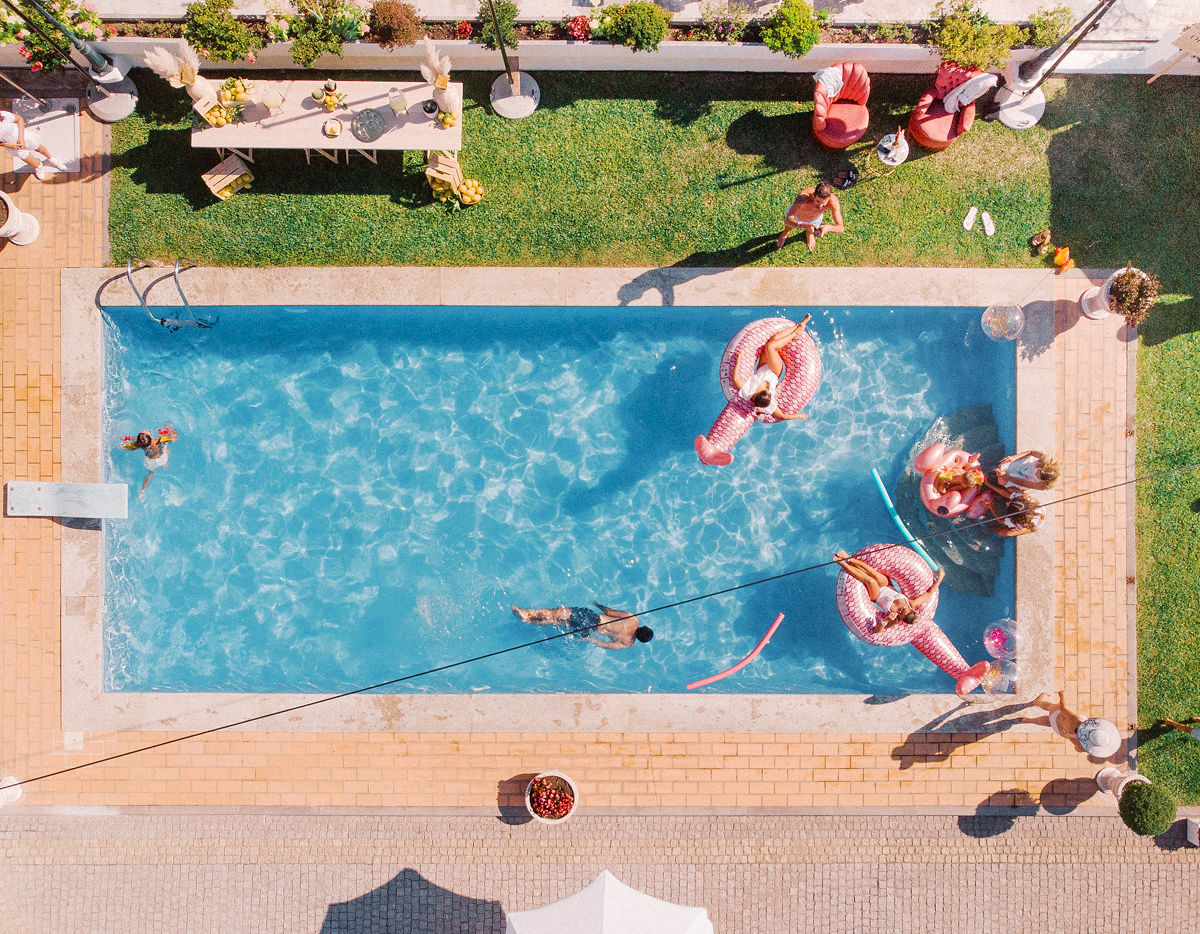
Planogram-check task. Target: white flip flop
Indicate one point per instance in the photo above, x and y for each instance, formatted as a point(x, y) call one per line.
point(969, 220)
point(989, 226)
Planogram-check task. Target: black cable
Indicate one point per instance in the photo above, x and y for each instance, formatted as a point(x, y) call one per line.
point(561, 635)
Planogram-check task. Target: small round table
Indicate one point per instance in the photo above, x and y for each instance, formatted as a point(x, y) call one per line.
point(889, 153)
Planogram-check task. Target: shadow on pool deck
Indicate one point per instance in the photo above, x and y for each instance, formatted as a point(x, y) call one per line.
point(410, 902)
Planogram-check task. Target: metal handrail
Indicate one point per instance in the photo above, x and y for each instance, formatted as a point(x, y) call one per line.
point(172, 324)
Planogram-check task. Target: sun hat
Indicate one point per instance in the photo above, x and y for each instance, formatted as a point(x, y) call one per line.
point(1099, 737)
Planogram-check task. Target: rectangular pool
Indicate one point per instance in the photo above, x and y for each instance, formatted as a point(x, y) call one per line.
point(361, 493)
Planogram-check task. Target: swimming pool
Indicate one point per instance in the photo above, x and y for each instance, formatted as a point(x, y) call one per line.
point(359, 493)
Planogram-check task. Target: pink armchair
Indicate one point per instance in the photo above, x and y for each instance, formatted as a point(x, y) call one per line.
point(841, 120)
point(931, 124)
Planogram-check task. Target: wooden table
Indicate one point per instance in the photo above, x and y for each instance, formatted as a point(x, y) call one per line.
point(299, 121)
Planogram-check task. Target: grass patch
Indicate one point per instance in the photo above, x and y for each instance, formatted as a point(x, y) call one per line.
point(639, 169)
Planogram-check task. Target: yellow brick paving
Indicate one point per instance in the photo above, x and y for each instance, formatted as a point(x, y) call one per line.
point(616, 771)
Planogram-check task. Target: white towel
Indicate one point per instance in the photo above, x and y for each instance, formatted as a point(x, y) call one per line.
point(831, 78)
point(968, 91)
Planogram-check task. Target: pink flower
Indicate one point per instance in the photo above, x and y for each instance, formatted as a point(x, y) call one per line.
point(250, 58)
point(21, 51)
point(21, 33)
point(36, 66)
point(112, 30)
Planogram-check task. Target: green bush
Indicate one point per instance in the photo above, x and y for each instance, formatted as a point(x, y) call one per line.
point(965, 35)
point(1146, 809)
point(316, 27)
point(506, 16)
point(794, 28)
point(395, 23)
point(212, 30)
point(639, 25)
point(1046, 27)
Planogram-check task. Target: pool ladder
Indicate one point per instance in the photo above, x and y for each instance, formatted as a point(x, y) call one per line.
point(171, 324)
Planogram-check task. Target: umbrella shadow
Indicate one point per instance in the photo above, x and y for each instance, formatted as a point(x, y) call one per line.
point(410, 902)
point(510, 799)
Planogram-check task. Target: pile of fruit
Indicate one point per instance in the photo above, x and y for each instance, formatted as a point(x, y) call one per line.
point(446, 119)
point(470, 191)
point(333, 100)
point(235, 90)
point(218, 115)
point(242, 181)
point(442, 189)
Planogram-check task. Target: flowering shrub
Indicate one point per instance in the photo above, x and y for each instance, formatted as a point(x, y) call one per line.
point(212, 30)
point(964, 34)
point(579, 28)
point(80, 18)
point(316, 27)
point(551, 797)
point(463, 30)
point(722, 21)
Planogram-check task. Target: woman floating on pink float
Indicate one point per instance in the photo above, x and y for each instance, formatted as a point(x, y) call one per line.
point(887, 595)
point(952, 482)
point(769, 372)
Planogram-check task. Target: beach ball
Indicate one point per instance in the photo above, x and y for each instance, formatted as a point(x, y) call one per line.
point(1000, 638)
point(1003, 322)
point(1000, 678)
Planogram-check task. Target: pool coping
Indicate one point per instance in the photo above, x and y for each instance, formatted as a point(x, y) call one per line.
point(87, 708)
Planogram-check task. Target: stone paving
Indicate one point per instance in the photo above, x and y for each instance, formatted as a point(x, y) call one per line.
point(244, 875)
point(754, 874)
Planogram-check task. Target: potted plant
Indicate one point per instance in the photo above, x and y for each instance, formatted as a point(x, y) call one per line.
point(1146, 808)
point(1129, 292)
point(551, 797)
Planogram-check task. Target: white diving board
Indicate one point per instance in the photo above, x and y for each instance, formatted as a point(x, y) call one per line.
point(67, 500)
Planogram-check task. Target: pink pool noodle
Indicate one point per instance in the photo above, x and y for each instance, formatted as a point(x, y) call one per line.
point(744, 662)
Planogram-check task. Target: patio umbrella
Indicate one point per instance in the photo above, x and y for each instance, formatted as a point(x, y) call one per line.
point(608, 906)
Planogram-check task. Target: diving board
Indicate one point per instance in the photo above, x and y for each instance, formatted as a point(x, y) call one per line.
point(67, 500)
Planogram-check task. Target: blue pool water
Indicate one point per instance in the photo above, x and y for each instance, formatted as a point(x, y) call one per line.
point(361, 493)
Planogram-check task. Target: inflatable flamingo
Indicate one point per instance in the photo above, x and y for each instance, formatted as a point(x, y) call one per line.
point(913, 577)
point(975, 502)
point(802, 375)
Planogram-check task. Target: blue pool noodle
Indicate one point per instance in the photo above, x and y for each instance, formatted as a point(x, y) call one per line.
point(887, 501)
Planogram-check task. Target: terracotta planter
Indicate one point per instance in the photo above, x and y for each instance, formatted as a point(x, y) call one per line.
point(1112, 781)
point(566, 785)
point(22, 229)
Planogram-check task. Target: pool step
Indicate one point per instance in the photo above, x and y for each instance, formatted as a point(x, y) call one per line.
point(70, 500)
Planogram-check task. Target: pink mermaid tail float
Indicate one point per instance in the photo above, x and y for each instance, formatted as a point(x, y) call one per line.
point(912, 575)
point(802, 375)
point(974, 502)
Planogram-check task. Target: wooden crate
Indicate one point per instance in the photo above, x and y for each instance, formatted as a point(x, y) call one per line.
point(444, 166)
point(227, 174)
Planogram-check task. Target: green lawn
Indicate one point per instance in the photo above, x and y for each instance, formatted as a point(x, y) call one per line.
point(689, 169)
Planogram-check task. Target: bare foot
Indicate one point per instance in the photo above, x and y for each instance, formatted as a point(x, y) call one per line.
point(812, 240)
point(522, 615)
point(1043, 700)
point(780, 240)
point(840, 554)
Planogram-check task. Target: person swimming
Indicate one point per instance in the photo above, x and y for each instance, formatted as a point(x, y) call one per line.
point(155, 449)
point(619, 629)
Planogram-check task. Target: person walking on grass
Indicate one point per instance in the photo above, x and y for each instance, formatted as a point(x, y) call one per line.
point(807, 213)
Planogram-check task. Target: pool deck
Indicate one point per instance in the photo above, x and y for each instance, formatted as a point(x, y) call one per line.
point(753, 764)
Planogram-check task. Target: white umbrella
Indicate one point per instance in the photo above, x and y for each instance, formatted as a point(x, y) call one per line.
point(608, 906)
